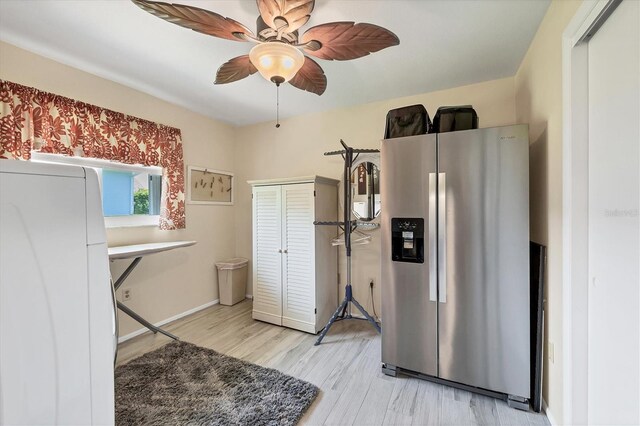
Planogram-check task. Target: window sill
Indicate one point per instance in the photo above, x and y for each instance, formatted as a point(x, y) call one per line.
point(135, 221)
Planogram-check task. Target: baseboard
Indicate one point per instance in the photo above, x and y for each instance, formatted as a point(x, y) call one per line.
point(168, 320)
point(546, 410)
point(360, 316)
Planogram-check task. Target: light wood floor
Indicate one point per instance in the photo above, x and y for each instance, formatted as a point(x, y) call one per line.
point(346, 367)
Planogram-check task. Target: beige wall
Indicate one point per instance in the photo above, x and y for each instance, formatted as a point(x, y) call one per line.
point(297, 147)
point(166, 284)
point(539, 102)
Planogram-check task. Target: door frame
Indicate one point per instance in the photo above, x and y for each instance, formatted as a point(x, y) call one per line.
point(575, 187)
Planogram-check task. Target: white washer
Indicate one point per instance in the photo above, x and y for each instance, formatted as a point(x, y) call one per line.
point(57, 321)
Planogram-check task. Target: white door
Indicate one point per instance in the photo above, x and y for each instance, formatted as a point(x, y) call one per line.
point(614, 138)
point(267, 254)
point(298, 272)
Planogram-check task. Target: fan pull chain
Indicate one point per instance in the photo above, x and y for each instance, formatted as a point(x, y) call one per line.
point(277, 106)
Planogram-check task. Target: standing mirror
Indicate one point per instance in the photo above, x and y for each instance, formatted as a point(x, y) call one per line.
point(365, 190)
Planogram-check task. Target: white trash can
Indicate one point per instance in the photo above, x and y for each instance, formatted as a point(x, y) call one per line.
point(232, 280)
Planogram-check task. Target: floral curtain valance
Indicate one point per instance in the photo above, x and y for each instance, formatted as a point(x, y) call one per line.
point(33, 119)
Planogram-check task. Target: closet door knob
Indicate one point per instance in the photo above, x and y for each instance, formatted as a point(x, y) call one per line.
point(286, 251)
point(279, 250)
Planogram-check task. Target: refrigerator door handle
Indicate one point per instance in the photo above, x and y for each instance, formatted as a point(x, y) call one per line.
point(433, 249)
point(442, 237)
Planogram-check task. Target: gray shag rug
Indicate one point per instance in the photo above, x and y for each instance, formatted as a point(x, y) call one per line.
point(184, 384)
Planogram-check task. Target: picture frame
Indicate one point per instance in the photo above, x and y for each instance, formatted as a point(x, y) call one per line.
point(209, 186)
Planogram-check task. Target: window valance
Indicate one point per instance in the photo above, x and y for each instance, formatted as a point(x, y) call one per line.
point(33, 119)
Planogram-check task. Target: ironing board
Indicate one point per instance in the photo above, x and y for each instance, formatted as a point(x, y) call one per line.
point(137, 252)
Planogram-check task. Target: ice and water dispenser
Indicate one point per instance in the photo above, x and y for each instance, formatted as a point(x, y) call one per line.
point(407, 240)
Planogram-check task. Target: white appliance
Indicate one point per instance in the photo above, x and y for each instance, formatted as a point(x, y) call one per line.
point(295, 267)
point(57, 317)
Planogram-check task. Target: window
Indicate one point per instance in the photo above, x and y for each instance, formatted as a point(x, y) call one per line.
point(130, 193)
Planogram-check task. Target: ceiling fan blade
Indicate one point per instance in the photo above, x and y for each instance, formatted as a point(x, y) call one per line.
point(342, 41)
point(200, 20)
point(310, 78)
point(295, 12)
point(235, 69)
point(269, 9)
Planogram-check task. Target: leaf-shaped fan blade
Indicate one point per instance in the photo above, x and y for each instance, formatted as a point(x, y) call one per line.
point(234, 70)
point(342, 41)
point(295, 12)
point(310, 78)
point(203, 21)
point(269, 9)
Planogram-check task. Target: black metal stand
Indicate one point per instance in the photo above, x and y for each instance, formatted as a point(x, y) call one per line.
point(344, 310)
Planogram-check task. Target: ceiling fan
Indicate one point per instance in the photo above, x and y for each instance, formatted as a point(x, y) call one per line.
point(278, 54)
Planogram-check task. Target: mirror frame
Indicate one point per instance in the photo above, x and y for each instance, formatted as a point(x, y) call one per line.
point(375, 160)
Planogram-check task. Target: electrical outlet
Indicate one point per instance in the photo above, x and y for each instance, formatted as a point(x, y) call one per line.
point(126, 294)
point(551, 352)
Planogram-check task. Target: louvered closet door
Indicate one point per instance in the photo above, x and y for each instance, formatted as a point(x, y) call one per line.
point(298, 274)
point(267, 247)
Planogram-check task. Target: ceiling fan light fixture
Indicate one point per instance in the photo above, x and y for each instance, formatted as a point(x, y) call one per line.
point(277, 62)
point(278, 55)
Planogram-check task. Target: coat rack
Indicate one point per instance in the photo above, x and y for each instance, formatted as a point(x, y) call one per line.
point(348, 226)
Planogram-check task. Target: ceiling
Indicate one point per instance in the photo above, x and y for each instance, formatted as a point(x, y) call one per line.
point(443, 44)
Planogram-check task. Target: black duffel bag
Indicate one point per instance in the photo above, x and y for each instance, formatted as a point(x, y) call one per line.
point(407, 121)
point(454, 118)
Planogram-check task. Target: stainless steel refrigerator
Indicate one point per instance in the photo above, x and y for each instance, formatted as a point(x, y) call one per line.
point(455, 259)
